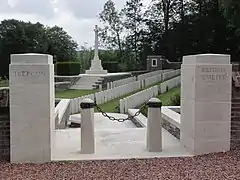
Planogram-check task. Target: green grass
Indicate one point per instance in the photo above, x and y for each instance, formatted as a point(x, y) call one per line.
point(71, 93)
point(166, 97)
point(111, 106)
point(4, 83)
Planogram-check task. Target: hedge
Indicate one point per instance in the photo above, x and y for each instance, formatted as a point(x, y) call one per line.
point(67, 68)
point(111, 66)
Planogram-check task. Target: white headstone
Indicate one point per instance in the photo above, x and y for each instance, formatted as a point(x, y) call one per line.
point(32, 105)
point(206, 103)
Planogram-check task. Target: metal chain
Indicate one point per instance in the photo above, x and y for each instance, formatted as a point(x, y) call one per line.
point(130, 117)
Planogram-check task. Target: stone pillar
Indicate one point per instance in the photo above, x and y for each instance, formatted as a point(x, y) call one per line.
point(87, 127)
point(206, 81)
point(108, 85)
point(111, 85)
point(32, 102)
point(154, 126)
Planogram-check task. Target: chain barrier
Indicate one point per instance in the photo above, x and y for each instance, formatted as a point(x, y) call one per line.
point(130, 117)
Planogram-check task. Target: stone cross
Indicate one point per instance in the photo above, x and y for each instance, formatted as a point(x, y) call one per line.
point(96, 57)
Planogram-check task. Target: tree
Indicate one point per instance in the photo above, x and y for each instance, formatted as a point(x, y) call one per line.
point(25, 37)
point(20, 37)
point(60, 44)
point(133, 18)
point(112, 32)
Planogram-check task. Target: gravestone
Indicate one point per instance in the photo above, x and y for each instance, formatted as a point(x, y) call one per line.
point(206, 103)
point(31, 108)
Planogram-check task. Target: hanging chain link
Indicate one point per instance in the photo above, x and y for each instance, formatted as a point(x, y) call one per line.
point(130, 117)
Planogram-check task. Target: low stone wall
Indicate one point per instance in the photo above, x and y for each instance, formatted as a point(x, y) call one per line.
point(235, 118)
point(4, 124)
point(171, 128)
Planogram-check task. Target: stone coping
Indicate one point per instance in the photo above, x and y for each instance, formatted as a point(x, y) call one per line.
point(171, 116)
point(61, 108)
point(167, 114)
point(140, 120)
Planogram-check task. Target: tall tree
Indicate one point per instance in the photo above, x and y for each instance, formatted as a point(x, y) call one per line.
point(133, 24)
point(112, 32)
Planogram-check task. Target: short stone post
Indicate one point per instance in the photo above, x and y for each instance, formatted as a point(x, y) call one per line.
point(154, 126)
point(87, 127)
point(32, 104)
point(100, 87)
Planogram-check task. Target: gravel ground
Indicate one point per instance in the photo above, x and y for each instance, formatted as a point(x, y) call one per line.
point(220, 166)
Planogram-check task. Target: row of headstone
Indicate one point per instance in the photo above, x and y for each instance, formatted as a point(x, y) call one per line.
point(169, 84)
point(110, 94)
point(171, 74)
point(162, 77)
point(137, 99)
point(150, 74)
point(75, 103)
point(123, 81)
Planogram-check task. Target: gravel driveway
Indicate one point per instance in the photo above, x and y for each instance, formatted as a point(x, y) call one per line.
point(220, 166)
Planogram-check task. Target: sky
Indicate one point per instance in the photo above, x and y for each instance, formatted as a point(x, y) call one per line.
point(77, 17)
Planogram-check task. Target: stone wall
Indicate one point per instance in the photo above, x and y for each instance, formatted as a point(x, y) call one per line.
point(4, 125)
point(235, 115)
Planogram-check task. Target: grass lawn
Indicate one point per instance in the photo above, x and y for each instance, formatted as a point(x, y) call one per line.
point(4, 83)
point(71, 93)
point(166, 98)
point(110, 106)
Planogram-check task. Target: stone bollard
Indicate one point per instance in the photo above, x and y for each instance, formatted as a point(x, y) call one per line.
point(87, 127)
point(100, 87)
point(154, 126)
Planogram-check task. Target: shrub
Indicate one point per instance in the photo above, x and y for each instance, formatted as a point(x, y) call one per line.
point(175, 100)
point(68, 68)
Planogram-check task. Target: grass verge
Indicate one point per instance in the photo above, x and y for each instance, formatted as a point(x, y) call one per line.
point(4, 83)
point(71, 93)
point(166, 98)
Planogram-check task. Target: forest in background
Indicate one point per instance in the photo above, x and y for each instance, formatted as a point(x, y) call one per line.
point(172, 28)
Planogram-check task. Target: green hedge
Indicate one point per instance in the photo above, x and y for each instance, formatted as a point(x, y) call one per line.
point(67, 68)
point(111, 66)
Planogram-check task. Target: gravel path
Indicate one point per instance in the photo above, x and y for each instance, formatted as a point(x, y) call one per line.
point(221, 166)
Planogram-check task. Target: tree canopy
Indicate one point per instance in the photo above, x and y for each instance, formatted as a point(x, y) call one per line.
point(25, 37)
point(172, 28)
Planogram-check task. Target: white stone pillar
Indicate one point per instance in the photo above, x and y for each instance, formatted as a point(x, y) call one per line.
point(32, 109)
point(206, 82)
point(108, 85)
point(87, 127)
point(111, 85)
point(154, 126)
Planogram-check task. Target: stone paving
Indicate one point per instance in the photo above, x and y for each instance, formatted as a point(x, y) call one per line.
point(114, 140)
